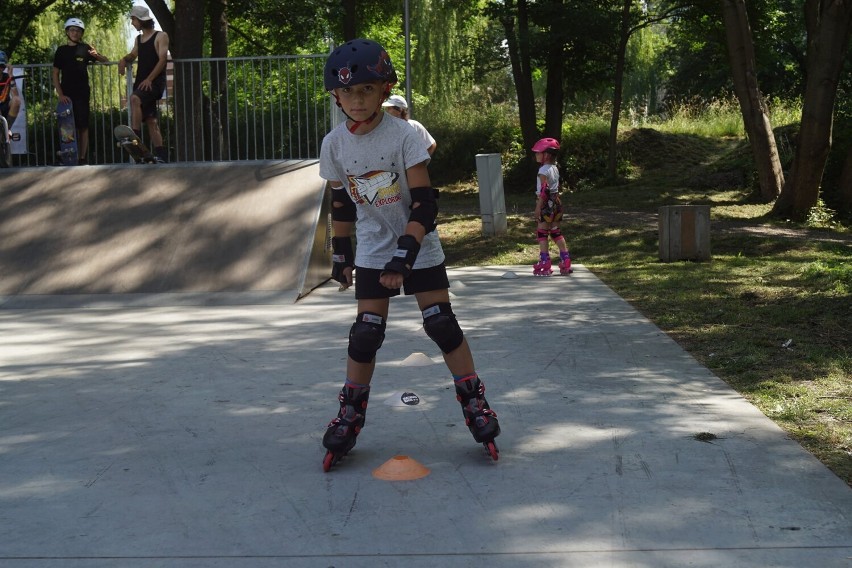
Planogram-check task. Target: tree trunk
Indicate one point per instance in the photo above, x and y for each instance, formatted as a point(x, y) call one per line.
point(618, 89)
point(350, 20)
point(828, 26)
point(844, 198)
point(165, 17)
point(752, 107)
point(521, 72)
point(555, 92)
point(219, 79)
point(187, 44)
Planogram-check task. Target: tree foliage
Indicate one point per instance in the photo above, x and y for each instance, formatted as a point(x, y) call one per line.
point(544, 56)
point(19, 34)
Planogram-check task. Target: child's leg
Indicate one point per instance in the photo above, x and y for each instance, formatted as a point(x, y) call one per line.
point(82, 144)
point(365, 338)
point(564, 255)
point(541, 236)
point(558, 238)
point(441, 326)
point(444, 330)
point(543, 266)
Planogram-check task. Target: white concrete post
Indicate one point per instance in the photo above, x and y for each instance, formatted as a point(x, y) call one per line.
point(492, 202)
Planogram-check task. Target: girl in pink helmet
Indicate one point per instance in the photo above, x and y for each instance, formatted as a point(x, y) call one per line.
point(548, 209)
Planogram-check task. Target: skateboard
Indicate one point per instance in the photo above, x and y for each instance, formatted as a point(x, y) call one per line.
point(67, 134)
point(127, 139)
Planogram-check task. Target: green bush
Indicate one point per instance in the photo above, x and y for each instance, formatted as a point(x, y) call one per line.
point(462, 132)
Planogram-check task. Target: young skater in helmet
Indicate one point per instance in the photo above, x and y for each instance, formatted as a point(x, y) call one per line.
point(71, 79)
point(548, 209)
point(376, 167)
point(398, 107)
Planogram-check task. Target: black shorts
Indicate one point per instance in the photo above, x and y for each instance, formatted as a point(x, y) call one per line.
point(81, 109)
point(149, 99)
point(367, 286)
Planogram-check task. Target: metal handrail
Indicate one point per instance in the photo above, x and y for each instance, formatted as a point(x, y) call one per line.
point(215, 109)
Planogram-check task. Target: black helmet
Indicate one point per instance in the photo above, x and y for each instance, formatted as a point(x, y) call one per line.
point(358, 61)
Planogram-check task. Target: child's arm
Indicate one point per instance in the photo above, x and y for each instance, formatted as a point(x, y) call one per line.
point(98, 57)
point(57, 85)
point(409, 244)
point(541, 196)
point(343, 216)
point(127, 59)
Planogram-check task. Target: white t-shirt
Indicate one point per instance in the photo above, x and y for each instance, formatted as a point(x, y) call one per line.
point(372, 169)
point(551, 174)
point(423, 133)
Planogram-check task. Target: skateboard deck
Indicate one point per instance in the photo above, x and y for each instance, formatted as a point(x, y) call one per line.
point(67, 134)
point(132, 144)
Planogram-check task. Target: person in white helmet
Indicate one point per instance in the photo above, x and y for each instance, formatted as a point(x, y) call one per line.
point(71, 79)
point(397, 106)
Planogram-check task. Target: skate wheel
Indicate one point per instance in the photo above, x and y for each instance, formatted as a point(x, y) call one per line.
point(328, 461)
point(492, 450)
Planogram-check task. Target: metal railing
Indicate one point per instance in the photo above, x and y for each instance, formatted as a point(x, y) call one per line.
point(216, 109)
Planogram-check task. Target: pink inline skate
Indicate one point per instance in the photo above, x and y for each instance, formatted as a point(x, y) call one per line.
point(565, 265)
point(543, 267)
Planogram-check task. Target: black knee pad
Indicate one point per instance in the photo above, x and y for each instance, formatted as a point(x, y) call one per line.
point(366, 336)
point(441, 326)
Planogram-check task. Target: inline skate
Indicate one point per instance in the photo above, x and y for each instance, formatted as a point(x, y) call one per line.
point(565, 264)
point(543, 267)
point(340, 436)
point(480, 419)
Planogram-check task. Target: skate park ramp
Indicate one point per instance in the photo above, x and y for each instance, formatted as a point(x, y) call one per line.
point(177, 228)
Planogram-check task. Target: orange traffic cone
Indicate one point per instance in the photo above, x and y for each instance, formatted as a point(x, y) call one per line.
point(401, 468)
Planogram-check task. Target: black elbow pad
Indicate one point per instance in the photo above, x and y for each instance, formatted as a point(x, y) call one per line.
point(342, 206)
point(427, 212)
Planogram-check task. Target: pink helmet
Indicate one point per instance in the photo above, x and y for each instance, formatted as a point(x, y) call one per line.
point(546, 144)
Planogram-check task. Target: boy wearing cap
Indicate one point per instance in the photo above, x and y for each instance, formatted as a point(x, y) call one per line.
point(151, 47)
point(398, 107)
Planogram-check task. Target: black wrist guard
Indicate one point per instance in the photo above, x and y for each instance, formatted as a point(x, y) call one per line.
point(342, 256)
point(405, 255)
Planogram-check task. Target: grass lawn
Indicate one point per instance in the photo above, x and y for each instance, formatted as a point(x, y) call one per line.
point(771, 313)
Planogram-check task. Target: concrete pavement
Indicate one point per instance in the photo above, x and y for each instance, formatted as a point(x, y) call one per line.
point(183, 430)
